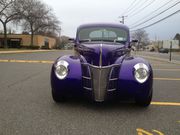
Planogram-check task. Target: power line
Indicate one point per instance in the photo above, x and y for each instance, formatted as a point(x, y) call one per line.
point(137, 4)
point(155, 15)
point(140, 10)
point(143, 18)
point(129, 8)
point(158, 21)
point(141, 4)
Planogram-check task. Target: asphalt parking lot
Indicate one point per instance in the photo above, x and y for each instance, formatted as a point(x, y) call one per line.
point(26, 106)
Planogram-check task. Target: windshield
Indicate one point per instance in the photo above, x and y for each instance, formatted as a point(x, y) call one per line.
point(107, 34)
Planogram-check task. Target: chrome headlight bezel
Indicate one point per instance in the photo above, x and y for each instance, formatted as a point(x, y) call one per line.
point(61, 69)
point(141, 72)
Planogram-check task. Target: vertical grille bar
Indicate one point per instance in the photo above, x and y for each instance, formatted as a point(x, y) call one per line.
point(100, 82)
point(100, 79)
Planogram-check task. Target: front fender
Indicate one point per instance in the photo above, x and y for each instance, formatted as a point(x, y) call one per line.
point(72, 84)
point(127, 84)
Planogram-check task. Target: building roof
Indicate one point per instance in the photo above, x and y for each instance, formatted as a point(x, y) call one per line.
point(177, 36)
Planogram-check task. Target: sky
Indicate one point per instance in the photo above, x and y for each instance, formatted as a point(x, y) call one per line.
point(73, 13)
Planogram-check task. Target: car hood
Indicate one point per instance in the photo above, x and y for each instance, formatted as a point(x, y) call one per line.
point(101, 54)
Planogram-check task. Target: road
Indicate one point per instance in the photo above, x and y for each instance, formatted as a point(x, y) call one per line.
point(27, 108)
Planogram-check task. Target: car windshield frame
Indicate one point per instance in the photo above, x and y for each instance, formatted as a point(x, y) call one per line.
point(103, 34)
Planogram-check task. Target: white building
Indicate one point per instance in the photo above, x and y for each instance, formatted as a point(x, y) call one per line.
point(167, 44)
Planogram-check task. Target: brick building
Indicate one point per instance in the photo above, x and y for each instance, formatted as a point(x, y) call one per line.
point(22, 40)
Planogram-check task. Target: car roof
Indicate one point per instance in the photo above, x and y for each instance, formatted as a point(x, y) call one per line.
point(116, 25)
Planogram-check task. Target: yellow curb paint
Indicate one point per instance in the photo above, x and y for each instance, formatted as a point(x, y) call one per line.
point(167, 79)
point(166, 103)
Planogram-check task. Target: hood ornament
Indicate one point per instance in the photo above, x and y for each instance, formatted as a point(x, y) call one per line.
point(100, 55)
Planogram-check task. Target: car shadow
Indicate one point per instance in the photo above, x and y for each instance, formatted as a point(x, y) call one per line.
point(126, 105)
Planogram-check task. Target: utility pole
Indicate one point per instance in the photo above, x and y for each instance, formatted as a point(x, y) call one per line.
point(123, 17)
point(170, 51)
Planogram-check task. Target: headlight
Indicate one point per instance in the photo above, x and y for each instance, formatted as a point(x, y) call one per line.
point(141, 72)
point(61, 69)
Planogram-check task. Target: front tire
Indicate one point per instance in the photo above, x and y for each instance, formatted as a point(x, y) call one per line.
point(56, 97)
point(144, 102)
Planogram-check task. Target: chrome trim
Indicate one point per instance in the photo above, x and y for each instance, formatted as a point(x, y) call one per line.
point(87, 88)
point(111, 89)
point(100, 77)
point(86, 77)
point(61, 63)
point(143, 66)
point(113, 79)
point(103, 67)
point(100, 56)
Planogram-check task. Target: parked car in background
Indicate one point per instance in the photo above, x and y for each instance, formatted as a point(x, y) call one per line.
point(102, 67)
point(152, 50)
point(163, 50)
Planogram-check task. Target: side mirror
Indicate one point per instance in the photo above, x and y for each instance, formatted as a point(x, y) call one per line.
point(132, 42)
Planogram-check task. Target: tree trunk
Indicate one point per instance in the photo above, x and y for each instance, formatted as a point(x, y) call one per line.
point(32, 36)
point(5, 36)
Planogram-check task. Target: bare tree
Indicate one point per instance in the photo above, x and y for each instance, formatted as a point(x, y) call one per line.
point(36, 16)
point(4, 4)
point(7, 14)
point(141, 36)
point(52, 28)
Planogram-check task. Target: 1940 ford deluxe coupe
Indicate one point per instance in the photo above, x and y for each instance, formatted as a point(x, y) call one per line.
point(102, 67)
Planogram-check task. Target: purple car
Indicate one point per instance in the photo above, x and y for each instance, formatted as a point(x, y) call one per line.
point(102, 67)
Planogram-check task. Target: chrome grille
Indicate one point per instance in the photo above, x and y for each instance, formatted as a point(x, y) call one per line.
point(99, 79)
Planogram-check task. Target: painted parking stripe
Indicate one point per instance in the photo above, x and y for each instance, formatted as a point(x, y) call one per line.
point(50, 62)
point(161, 64)
point(141, 131)
point(28, 61)
point(167, 79)
point(166, 103)
point(46, 61)
point(167, 69)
